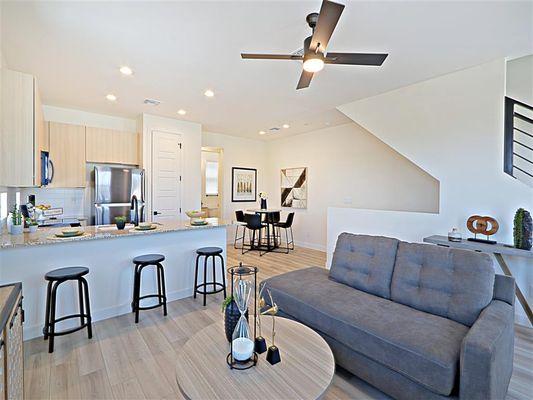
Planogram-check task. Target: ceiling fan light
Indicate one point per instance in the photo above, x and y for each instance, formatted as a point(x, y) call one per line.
point(313, 64)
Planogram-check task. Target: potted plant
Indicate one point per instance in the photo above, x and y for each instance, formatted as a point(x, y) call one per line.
point(120, 221)
point(231, 316)
point(16, 221)
point(523, 230)
point(32, 225)
point(263, 197)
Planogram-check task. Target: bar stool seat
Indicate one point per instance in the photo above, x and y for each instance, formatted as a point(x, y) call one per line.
point(61, 274)
point(209, 251)
point(55, 278)
point(217, 287)
point(149, 259)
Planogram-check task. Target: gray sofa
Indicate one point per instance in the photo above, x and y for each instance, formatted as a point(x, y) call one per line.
point(416, 321)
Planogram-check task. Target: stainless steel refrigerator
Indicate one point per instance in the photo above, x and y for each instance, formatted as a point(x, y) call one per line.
point(118, 191)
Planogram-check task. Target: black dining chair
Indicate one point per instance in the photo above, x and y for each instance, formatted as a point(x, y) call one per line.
point(255, 226)
point(287, 225)
point(240, 222)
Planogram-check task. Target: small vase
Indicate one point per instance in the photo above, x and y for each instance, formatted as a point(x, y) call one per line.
point(231, 317)
point(17, 229)
point(263, 204)
point(120, 224)
point(32, 228)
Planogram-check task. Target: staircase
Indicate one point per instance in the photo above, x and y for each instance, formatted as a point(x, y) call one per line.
point(518, 141)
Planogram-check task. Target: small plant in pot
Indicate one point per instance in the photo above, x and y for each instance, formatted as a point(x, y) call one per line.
point(120, 222)
point(231, 316)
point(32, 225)
point(523, 230)
point(17, 228)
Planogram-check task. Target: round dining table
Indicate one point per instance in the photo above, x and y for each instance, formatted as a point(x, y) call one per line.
point(268, 212)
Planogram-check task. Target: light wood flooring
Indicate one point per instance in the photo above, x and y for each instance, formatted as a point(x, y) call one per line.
point(125, 360)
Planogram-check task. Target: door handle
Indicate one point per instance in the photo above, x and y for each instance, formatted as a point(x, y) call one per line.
point(157, 213)
point(52, 171)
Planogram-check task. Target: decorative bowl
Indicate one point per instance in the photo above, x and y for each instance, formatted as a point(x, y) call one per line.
point(70, 231)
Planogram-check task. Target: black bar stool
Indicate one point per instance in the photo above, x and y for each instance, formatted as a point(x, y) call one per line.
point(209, 252)
point(141, 262)
point(55, 278)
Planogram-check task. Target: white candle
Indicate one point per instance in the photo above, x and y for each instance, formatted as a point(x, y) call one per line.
point(243, 348)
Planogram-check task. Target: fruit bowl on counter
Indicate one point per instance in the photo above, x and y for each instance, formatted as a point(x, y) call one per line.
point(197, 217)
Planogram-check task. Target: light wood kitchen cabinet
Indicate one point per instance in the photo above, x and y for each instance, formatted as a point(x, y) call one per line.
point(111, 146)
point(23, 131)
point(67, 155)
point(12, 346)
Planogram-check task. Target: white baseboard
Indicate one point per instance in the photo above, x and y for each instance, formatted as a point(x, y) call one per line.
point(314, 246)
point(31, 332)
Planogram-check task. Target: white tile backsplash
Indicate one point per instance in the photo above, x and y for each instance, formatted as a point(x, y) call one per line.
point(71, 200)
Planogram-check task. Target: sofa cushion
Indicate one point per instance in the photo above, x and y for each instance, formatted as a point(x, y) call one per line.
point(452, 283)
point(423, 347)
point(364, 262)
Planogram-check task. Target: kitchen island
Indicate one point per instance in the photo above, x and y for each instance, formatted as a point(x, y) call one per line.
point(108, 253)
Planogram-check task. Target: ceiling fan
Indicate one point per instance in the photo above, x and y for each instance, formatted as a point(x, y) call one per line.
point(314, 52)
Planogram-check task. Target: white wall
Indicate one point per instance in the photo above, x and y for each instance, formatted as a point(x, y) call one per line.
point(519, 79)
point(452, 126)
point(238, 152)
point(347, 167)
point(191, 134)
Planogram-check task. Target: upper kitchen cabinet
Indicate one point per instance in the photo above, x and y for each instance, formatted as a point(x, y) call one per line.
point(67, 155)
point(23, 132)
point(110, 146)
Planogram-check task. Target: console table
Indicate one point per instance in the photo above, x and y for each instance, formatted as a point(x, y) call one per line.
point(499, 250)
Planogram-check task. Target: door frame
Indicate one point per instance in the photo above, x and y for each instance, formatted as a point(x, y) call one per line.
point(221, 194)
point(151, 184)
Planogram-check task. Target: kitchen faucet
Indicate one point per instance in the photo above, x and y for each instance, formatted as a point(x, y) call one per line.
point(135, 206)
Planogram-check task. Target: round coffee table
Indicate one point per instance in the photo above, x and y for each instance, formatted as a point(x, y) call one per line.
point(305, 371)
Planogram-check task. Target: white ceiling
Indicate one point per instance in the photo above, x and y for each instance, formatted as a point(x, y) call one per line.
point(179, 49)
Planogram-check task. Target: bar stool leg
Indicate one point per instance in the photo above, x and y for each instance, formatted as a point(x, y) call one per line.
point(80, 300)
point(205, 280)
point(214, 274)
point(52, 317)
point(134, 288)
point(223, 274)
point(88, 308)
point(138, 273)
point(47, 312)
point(164, 290)
point(196, 276)
point(159, 291)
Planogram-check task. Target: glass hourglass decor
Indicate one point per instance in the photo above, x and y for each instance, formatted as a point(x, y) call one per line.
point(243, 285)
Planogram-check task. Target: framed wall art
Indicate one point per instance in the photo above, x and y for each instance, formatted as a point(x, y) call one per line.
point(294, 187)
point(243, 184)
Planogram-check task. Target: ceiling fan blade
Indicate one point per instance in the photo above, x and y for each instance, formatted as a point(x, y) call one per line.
point(355, 58)
point(305, 79)
point(328, 17)
point(271, 56)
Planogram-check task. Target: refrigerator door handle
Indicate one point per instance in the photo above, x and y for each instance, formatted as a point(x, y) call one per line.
point(143, 185)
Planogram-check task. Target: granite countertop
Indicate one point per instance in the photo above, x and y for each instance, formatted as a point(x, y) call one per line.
point(46, 235)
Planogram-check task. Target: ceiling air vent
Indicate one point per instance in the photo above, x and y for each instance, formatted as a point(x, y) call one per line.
point(274, 129)
point(152, 102)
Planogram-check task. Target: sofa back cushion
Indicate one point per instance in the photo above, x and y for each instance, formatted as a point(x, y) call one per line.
point(456, 284)
point(364, 262)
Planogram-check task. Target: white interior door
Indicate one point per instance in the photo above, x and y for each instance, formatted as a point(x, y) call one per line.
point(166, 176)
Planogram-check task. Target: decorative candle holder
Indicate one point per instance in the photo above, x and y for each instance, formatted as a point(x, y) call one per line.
point(243, 282)
point(272, 356)
point(260, 342)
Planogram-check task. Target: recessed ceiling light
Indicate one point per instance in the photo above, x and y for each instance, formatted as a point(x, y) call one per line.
point(286, 126)
point(209, 93)
point(262, 132)
point(125, 70)
point(182, 112)
point(111, 97)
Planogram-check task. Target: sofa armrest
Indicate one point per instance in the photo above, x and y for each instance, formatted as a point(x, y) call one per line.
point(486, 362)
